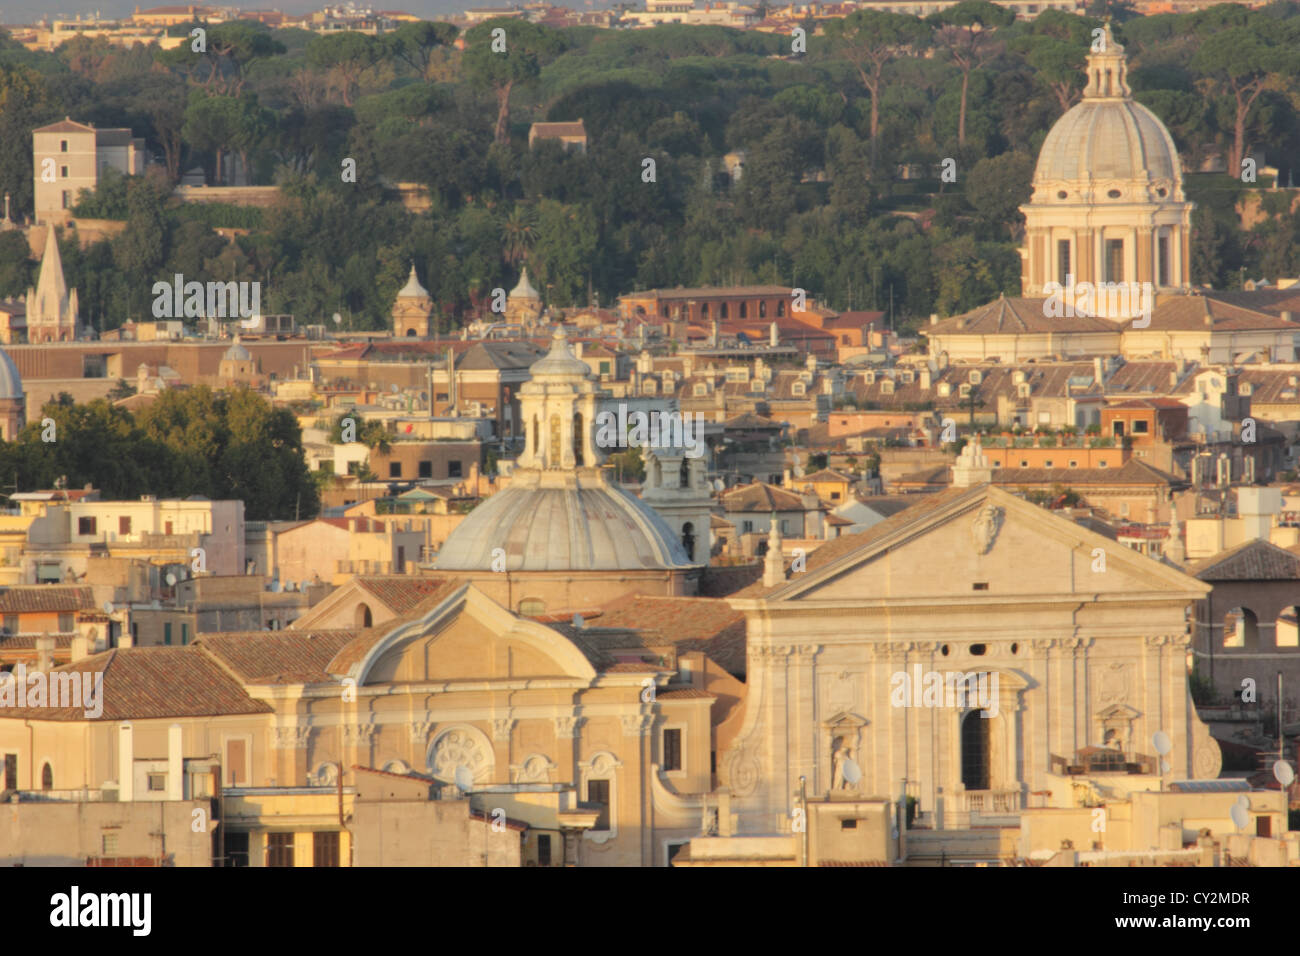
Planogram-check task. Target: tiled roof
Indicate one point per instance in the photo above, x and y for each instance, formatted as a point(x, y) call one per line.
point(1253, 561)
point(398, 592)
point(1134, 472)
point(713, 292)
point(709, 625)
point(276, 657)
point(38, 597)
point(573, 128)
point(1005, 316)
point(762, 497)
point(826, 474)
point(685, 693)
point(750, 420)
point(142, 683)
point(1190, 312)
point(355, 649)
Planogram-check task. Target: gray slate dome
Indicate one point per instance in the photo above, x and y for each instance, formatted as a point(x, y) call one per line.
point(1108, 139)
point(560, 360)
point(11, 383)
point(236, 353)
point(569, 526)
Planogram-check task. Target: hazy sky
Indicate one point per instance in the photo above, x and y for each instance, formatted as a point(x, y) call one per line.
point(26, 11)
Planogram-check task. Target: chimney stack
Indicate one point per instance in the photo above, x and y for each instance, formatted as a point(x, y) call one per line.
point(45, 652)
point(125, 764)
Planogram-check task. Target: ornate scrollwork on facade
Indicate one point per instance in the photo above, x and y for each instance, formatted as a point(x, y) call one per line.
point(461, 747)
point(292, 736)
point(742, 772)
point(501, 727)
point(567, 726)
point(358, 735)
point(984, 529)
point(420, 731)
point(636, 725)
point(1042, 644)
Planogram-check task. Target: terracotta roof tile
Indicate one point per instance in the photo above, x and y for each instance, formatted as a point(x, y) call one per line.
point(38, 597)
point(142, 683)
point(1253, 561)
point(276, 657)
point(399, 592)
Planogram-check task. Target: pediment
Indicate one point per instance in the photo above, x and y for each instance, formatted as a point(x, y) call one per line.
point(980, 544)
point(470, 638)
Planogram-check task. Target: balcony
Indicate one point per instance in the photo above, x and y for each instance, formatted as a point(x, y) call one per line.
point(1095, 760)
point(989, 802)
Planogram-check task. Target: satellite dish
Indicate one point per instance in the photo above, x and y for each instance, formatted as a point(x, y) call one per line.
point(1243, 801)
point(852, 773)
point(304, 585)
point(337, 318)
point(578, 621)
point(1160, 740)
point(171, 579)
point(394, 389)
point(275, 586)
point(1283, 772)
point(464, 779)
point(108, 607)
point(1239, 816)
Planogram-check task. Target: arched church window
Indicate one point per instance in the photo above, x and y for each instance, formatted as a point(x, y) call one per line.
point(684, 474)
point(537, 448)
point(688, 539)
point(553, 452)
point(47, 777)
point(577, 440)
point(363, 617)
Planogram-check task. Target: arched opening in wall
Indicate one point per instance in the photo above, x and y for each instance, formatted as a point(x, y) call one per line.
point(578, 459)
point(684, 474)
point(362, 617)
point(47, 777)
point(536, 436)
point(975, 751)
point(688, 539)
point(1288, 627)
point(1241, 628)
point(410, 333)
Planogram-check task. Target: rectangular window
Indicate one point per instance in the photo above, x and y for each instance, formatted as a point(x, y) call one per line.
point(86, 526)
point(157, 782)
point(67, 199)
point(236, 755)
point(1062, 260)
point(279, 849)
point(604, 366)
point(1162, 261)
point(1141, 427)
point(672, 749)
point(747, 527)
point(108, 843)
point(67, 622)
point(11, 771)
point(63, 146)
point(167, 632)
point(63, 172)
point(394, 469)
point(543, 849)
point(456, 470)
point(1114, 260)
point(167, 527)
point(325, 848)
point(11, 624)
point(124, 524)
point(185, 633)
point(426, 469)
point(598, 793)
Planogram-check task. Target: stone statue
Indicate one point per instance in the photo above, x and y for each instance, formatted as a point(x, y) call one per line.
point(842, 753)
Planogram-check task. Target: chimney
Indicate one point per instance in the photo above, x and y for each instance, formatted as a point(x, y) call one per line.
point(125, 764)
point(786, 478)
point(175, 764)
point(80, 648)
point(45, 652)
point(1099, 371)
point(934, 318)
point(925, 378)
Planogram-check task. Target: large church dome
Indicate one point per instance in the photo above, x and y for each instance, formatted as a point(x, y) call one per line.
point(545, 523)
point(11, 383)
point(1108, 147)
point(1109, 139)
point(560, 511)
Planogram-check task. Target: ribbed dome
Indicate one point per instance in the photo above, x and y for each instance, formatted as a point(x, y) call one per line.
point(236, 353)
point(1108, 139)
point(11, 383)
point(560, 360)
point(557, 521)
point(524, 289)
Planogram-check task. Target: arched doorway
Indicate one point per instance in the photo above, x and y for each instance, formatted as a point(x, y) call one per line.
point(363, 617)
point(1241, 629)
point(975, 751)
